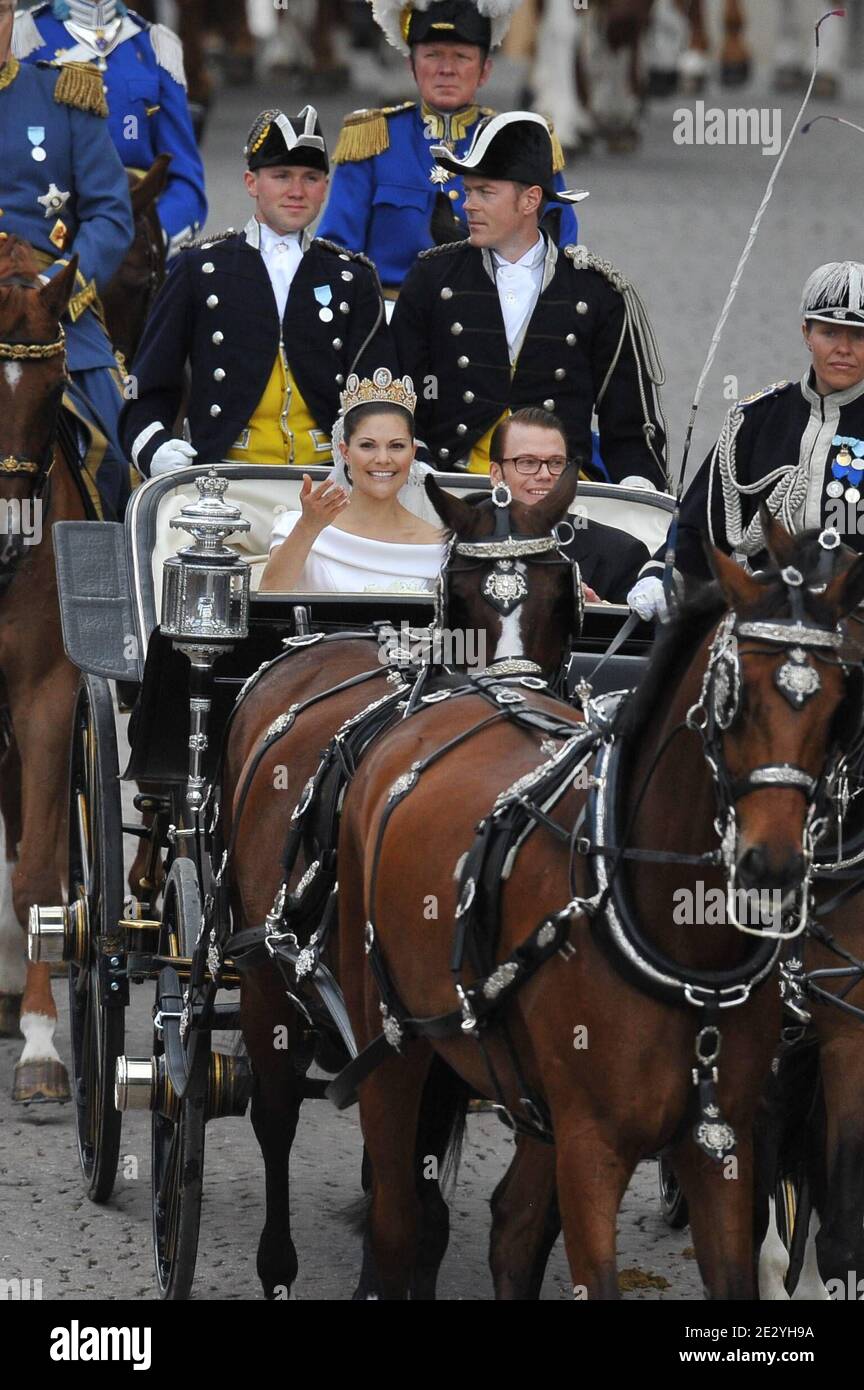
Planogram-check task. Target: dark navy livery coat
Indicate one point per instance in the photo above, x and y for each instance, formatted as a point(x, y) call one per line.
point(217, 311)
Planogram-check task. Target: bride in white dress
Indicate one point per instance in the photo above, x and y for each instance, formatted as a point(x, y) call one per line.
point(366, 528)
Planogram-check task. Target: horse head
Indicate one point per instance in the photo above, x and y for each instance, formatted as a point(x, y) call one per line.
point(129, 297)
point(506, 577)
point(32, 376)
point(781, 702)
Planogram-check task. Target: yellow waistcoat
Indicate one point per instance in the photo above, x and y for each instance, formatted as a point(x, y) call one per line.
point(282, 429)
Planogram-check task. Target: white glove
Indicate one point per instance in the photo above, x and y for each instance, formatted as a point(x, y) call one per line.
point(648, 600)
point(174, 453)
point(636, 480)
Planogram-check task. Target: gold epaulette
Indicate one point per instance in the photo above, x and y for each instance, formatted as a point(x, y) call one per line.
point(366, 133)
point(773, 390)
point(81, 86)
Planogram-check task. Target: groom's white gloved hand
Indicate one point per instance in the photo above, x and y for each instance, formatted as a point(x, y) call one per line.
point(647, 599)
point(174, 453)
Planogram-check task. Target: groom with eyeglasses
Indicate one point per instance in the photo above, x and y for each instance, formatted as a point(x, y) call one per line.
point(528, 452)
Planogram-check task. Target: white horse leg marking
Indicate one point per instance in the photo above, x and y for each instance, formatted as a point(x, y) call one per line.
point(13, 955)
point(810, 1288)
point(38, 1030)
point(773, 1262)
point(616, 105)
point(554, 73)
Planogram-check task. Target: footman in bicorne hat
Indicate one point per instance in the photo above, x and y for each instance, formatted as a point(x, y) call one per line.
point(270, 321)
point(507, 320)
point(797, 446)
point(390, 198)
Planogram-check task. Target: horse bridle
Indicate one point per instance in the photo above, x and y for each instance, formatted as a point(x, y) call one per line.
point(30, 352)
point(20, 464)
point(718, 708)
point(504, 588)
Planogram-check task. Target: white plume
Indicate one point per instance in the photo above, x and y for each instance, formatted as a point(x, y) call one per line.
point(836, 284)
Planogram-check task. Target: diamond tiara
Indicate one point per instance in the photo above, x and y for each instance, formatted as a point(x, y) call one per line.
point(383, 389)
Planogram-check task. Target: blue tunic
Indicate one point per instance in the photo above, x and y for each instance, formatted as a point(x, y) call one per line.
point(383, 205)
point(82, 169)
point(147, 102)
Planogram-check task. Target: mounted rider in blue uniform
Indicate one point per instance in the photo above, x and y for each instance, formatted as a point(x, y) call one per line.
point(142, 68)
point(389, 198)
point(63, 189)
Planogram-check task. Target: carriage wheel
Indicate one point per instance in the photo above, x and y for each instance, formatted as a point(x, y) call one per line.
point(177, 1168)
point(96, 886)
point(673, 1203)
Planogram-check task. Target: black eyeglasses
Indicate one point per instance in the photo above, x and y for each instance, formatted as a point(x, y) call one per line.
point(527, 463)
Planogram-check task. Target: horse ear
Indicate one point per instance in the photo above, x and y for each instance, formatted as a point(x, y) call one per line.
point(739, 589)
point(539, 519)
point(459, 517)
point(147, 189)
point(846, 591)
point(55, 296)
point(778, 542)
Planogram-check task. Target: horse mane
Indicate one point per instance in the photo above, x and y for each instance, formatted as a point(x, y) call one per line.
point(16, 258)
point(679, 639)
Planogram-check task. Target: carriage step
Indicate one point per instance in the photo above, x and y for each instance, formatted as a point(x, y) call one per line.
point(142, 1083)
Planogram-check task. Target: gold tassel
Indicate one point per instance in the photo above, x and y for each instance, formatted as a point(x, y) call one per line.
point(81, 86)
point(558, 160)
point(364, 134)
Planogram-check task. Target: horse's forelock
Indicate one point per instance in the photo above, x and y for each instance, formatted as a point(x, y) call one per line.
point(16, 258)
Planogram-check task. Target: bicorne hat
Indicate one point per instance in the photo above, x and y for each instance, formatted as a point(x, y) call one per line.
point(515, 145)
point(480, 22)
point(279, 139)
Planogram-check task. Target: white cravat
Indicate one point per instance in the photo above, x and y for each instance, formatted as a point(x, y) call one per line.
point(282, 255)
point(518, 284)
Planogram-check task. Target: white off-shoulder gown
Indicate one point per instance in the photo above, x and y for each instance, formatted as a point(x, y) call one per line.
point(343, 563)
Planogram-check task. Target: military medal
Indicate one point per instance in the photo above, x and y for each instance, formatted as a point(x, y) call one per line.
point(847, 468)
point(36, 135)
point(323, 295)
point(54, 201)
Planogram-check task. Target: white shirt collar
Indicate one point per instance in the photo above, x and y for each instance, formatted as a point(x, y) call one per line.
point(532, 257)
point(263, 237)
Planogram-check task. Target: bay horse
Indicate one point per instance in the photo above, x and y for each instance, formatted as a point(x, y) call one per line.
point(597, 1047)
point(129, 297)
point(273, 747)
point(37, 682)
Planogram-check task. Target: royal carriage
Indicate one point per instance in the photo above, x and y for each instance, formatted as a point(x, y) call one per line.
point(180, 628)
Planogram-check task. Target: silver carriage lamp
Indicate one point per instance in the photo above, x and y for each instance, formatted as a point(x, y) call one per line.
point(205, 604)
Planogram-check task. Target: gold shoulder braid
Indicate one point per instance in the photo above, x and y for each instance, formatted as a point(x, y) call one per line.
point(81, 86)
point(365, 134)
point(9, 72)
